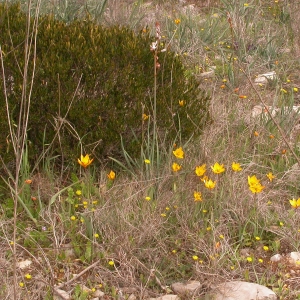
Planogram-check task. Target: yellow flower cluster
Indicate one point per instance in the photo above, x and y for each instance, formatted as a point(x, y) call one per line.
point(254, 184)
point(178, 153)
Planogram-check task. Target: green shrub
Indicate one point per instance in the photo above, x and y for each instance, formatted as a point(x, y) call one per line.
point(113, 69)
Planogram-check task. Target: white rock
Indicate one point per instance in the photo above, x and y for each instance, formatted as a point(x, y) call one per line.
point(85, 288)
point(240, 290)
point(24, 264)
point(131, 297)
point(294, 258)
point(207, 74)
point(188, 288)
point(166, 297)
point(98, 294)
point(275, 258)
point(263, 78)
point(61, 295)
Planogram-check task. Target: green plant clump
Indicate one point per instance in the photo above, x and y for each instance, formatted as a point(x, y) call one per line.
point(92, 86)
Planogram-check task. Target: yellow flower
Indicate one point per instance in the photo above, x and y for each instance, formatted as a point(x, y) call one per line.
point(266, 248)
point(256, 133)
point(254, 184)
point(253, 180)
point(260, 260)
point(73, 218)
point(145, 117)
point(111, 263)
point(147, 198)
point(21, 284)
point(195, 257)
point(85, 161)
point(176, 167)
point(111, 175)
point(200, 170)
point(255, 189)
point(295, 203)
point(96, 235)
point(28, 181)
point(249, 259)
point(28, 276)
point(163, 215)
point(270, 176)
point(181, 102)
point(177, 21)
point(179, 153)
point(283, 91)
point(236, 167)
point(257, 238)
point(295, 90)
point(217, 168)
point(197, 197)
point(147, 161)
point(210, 184)
point(78, 192)
point(221, 236)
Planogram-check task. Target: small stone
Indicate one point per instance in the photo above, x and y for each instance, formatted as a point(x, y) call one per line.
point(131, 297)
point(188, 288)
point(129, 290)
point(294, 258)
point(85, 288)
point(24, 264)
point(264, 78)
point(166, 297)
point(61, 295)
point(275, 258)
point(207, 74)
point(98, 294)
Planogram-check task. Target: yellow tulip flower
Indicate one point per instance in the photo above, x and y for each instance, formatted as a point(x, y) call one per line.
point(85, 161)
point(217, 168)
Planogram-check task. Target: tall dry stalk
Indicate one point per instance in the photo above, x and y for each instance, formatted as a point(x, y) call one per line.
point(18, 135)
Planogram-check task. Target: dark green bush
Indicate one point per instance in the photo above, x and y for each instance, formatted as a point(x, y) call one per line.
point(113, 69)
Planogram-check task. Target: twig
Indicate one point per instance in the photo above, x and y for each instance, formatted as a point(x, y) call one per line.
point(77, 276)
